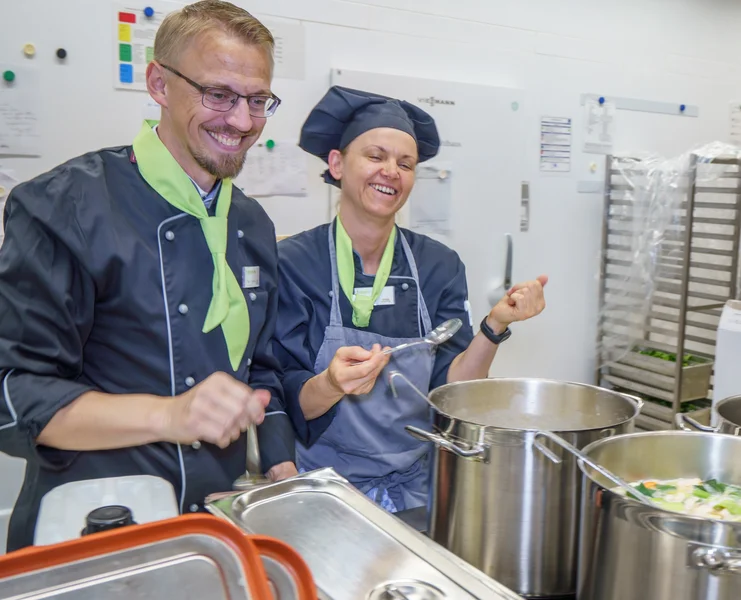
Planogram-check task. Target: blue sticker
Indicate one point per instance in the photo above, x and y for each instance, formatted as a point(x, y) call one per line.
point(126, 73)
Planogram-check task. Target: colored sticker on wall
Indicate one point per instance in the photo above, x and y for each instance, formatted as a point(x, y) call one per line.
point(126, 73)
point(124, 32)
point(125, 17)
point(124, 52)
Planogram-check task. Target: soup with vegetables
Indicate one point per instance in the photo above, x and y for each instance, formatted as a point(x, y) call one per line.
point(697, 497)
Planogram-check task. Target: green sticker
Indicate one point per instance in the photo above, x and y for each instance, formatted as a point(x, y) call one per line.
point(124, 52)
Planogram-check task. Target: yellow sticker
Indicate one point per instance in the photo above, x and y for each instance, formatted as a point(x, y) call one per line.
point(124, 32)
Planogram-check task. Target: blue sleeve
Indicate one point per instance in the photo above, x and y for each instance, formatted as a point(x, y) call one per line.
point(275, 435)
point(47, 301)
point(293, 349)
point(453, 304)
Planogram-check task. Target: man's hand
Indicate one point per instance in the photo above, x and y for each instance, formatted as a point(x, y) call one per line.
point(218, 410)
point(354, 370)
point(523, 301)
point(282, 471)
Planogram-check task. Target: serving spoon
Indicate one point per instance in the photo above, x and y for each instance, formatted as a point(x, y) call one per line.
point(439, 335)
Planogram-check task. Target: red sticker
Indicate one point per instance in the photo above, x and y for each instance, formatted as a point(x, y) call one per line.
point(126, 17)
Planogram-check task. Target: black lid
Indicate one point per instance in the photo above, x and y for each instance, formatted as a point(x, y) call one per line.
point(107, 517)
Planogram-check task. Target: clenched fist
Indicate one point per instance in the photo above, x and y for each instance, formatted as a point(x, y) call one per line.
point(523, 301)
point(218, 410)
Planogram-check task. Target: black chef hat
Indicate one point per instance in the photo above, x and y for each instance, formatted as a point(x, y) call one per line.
point(343, 114)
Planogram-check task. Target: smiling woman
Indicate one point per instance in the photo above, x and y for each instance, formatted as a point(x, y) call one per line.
point(353, 286)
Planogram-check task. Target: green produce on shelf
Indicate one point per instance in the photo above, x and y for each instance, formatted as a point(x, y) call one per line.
point(670, 356)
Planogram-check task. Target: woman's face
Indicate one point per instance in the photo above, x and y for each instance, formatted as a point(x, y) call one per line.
point(377, 171)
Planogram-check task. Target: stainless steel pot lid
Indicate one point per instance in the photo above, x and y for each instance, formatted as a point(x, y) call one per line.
point(533, 404)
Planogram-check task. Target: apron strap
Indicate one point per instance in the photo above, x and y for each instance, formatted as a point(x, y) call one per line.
point(335, 315)
point(422, 312)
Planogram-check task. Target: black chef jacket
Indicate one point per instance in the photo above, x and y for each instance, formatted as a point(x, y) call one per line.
point(105, 286)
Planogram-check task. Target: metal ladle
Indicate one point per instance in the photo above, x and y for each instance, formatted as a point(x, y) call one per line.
point(439, 335)
point(584, 458)
point(253, 475)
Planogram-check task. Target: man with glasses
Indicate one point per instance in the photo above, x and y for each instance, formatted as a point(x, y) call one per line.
point(138, 288)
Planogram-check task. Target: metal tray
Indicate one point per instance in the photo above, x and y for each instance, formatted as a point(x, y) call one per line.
point(354, 548)
point(192, 567)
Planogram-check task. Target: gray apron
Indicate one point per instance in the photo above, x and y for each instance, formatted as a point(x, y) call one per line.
point(366, 442)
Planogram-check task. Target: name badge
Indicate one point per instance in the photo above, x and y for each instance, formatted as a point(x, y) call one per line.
point(250, 277)
point(467, 306)
point(387, 297)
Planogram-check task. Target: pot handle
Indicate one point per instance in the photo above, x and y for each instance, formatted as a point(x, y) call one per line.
point(477, 451)
point(686, 423)
point(716, 560)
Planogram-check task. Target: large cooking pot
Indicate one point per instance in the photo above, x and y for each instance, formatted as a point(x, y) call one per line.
point(727, 416)
point(496, 500)
point(629, 550)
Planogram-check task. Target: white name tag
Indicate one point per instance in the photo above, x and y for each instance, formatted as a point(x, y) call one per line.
point(387, 297)
point(467, 306)
point(250, 277)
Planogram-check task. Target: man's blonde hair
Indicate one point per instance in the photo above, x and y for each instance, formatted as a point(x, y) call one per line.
point(181, 27)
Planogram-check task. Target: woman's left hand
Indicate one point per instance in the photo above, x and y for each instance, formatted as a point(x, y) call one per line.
point(523, 301)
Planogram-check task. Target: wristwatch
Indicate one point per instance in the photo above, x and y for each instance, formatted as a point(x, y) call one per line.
point(493, 337)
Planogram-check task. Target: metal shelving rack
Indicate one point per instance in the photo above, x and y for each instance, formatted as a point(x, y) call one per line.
point(696, 273)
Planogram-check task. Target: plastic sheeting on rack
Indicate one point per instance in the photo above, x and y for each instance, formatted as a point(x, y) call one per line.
point(645, 251)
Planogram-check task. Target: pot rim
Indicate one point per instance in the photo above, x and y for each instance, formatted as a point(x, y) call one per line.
point(632, 400)
point(723, 402)
point(667, 433)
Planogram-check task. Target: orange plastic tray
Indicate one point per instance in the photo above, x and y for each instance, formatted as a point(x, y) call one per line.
point(291, 561)
point(36, 558)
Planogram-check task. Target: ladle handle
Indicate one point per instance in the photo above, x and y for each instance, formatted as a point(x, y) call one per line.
point(394, 374)
point(584, 458)
point(404, 346)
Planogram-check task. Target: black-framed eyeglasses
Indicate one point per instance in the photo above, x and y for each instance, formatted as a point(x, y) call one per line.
point(222, 100)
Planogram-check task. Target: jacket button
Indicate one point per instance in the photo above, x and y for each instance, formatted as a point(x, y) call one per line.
point(190, 382)
point(405, 286)
point(331, 293)
point(196, 445)
point(253, 296)
point(183, 309)
point(169, 236)
point(193, 508)
point(249, 362)
point(240, 234)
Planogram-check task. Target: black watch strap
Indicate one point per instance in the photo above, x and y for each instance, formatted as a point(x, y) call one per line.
point(493, 337)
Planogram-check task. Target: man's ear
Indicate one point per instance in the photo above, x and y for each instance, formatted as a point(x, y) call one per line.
point(156, 84)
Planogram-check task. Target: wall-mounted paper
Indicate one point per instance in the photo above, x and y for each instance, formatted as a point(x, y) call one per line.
point(431, 199)
point(133, 40)
point(599, 126)
point(7, 183)
point(555, 144)
point(290, 48)
point(735, 122)
point(19, 114)
point(277, 171)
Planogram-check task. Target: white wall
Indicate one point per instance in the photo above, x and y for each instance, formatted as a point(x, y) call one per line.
point(683, 51)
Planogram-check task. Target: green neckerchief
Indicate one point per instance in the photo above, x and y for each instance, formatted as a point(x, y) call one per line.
point(362, 305)
point(162, 172)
